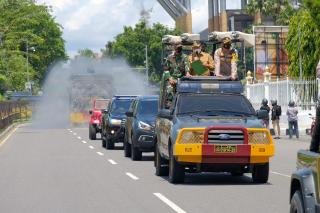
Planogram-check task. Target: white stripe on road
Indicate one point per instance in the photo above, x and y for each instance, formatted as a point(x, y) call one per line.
point(112, 162)
point(91, 147)
point(6, 138)
point(169, 203)
point(84, 141)
point(100, 153)
point(132, 176)
point(278, 173)
point(79, 138)
point(74, 134)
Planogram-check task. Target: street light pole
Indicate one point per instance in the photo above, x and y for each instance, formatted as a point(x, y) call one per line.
point(300, 61)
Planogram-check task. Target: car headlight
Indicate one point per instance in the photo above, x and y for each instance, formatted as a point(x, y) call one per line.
point(115, 122)
point(144, 126)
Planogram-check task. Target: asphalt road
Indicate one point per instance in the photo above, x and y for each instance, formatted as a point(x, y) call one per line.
point(61, 170)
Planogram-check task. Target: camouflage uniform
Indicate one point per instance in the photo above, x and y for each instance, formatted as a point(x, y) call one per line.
point(178, 66)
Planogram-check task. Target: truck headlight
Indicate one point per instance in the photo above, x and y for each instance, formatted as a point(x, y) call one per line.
point(144, 126)
point(115, 122)
point(194, 136)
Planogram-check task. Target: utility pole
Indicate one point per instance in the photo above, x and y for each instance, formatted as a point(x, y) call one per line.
point(147, 65)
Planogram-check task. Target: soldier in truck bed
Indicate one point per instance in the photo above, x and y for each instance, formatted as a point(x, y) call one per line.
point(225, 59)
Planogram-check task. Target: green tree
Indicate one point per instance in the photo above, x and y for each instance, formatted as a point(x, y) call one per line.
point(25, 26)
point(86, 53)
point(304, 28)
point(131, 44)
point(280, 10)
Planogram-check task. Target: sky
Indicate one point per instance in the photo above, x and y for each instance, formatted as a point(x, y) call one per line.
point(92, 23)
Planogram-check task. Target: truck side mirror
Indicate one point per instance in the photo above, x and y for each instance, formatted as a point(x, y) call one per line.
point(105, 111)
point(165, 113)
point(90, 112)
point(129, 114)
point(262, 114)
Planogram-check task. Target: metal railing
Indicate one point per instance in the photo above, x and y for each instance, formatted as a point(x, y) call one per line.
point(303, 92)
point(13, 111)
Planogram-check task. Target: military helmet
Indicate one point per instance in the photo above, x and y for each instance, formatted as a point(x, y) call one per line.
point(291, 103)
point(226, 40)
point(264, 102)
point(196, 45)
point(274, 102)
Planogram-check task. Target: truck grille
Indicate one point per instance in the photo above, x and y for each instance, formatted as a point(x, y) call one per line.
point(225, 136)
point(123, 121)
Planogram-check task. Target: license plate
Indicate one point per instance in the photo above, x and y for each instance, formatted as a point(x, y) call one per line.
point(225, 148)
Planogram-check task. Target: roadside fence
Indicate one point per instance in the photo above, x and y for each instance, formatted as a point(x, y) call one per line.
point(12, 111)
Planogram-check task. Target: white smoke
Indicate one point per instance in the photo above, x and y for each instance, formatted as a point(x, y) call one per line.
point(53, 110)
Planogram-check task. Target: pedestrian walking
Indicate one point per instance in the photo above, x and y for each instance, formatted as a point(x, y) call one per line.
point(264, 106)
point(292, 113)
point(315, 141)
point(275, 117)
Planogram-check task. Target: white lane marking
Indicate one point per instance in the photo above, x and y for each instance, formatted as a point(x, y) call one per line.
point(8, 136)
point(112, 162)
point(169, 203)
point(84, 141)
point(69, 129)
point(79, 138)
point(278, 173)
point(132, 176)
point(74, 134)
point(91, 147)
point(100, 153)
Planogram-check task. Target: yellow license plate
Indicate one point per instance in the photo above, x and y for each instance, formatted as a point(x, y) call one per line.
point(225, 148)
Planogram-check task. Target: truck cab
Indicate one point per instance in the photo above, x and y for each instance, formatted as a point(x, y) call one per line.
point(98, 107)
point(210, 126)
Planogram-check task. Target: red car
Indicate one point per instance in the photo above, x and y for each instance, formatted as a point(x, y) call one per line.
point(99, 105)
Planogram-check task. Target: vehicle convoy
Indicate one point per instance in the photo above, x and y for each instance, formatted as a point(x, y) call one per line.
point(211, 127)
point(113, 120)
point(139, 126)
point(85, 88)
point(99, 105)
point(304, 189)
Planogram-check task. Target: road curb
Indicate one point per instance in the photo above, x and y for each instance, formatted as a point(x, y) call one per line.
point(7, 131)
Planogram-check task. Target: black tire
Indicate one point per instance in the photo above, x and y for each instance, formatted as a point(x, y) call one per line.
point(176, 170)
point(296, 203)
point(110, 143)
point(136, 154)
point(260, 173)
point(237, 174)
point(126, 147)
point(92, 132)
point(162, 168)
point(104, 142)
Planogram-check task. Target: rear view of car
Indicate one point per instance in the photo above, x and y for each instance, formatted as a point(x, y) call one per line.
point(113, 120)
point(99, 105)
point(139, 127)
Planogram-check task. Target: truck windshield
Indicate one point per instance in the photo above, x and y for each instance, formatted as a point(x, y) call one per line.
point(148, 107)
point(214, 104)
point(120, 107)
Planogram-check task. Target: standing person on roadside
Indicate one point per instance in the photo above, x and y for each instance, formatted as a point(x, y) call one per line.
point(264, 106)
point(275, 117)
point(292, 113)
point(315, 141)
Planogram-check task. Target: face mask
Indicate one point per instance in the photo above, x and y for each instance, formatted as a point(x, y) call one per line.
point(197, 51)
point(227, 46)
point(178, 50)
